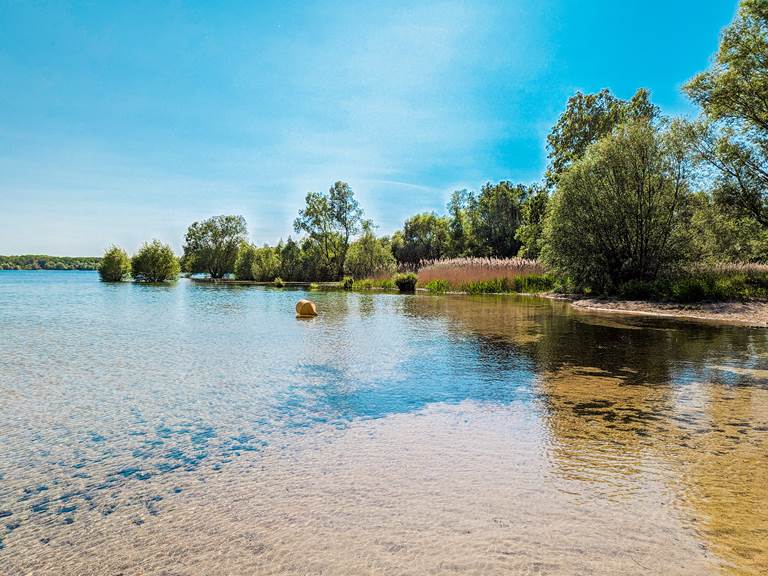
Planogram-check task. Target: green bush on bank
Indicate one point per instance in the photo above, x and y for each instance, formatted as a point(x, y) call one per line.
point(529, 284)
point(347, 283)
point(719, 283)
point(437, 286)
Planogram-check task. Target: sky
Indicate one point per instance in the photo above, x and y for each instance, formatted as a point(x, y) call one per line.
point(121, 122)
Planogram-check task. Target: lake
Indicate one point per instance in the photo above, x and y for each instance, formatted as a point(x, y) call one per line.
point(201, 429)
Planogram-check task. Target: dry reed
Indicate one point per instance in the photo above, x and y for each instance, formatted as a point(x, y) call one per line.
point(460, 271)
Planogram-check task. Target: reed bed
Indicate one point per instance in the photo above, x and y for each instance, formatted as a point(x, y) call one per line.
point(462, 271)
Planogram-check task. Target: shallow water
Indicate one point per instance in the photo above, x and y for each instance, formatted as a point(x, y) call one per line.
point(196, 429)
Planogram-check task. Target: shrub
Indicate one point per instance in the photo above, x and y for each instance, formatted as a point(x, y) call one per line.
point(437, 286)
point(155, 262)
point(406, 282)
point(115, 265)
point(347, 282)
point(366, 284)
point(529, 284)
point(314, 286)
point(278, 282)
point(387, 284)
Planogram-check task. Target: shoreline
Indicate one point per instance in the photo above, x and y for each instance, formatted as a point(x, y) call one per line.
point(748, 314)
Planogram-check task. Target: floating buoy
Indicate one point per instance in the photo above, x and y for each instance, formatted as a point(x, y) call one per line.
point(305, 309)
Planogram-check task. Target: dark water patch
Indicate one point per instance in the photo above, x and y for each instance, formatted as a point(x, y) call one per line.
point(5, 513)
point(41, 506)
point(66, 509)
point(11, 526)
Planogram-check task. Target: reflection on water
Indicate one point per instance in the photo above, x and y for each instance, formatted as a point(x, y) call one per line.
point(201, 429)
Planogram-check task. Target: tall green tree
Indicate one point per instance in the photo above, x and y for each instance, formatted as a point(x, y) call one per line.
point(495, 214)
point(211, 246)
point(155, 262)
point(733, 94)
point(586, 119)
point(115, 265)
point(330, 221)
point(244, 264)
point(424, 237)
point(461, 239)
point(621, 212)
point(370, 256)
point(530, 233)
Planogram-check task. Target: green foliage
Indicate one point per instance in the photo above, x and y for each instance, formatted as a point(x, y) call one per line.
point(722, 235)
point(527, 284)
point(115, 265)
point(314, 286)
point(495, 215)
point(362, 285)
point(406, 282)
point(587, 119)
point(530, 233)
point(734, 96)
point(387, 284)
point(278, 282)
point(330, 221)
point(424, 237)
point(370, 256)
point(155, 262)
point(266, 263)
point(460, 236)
point(621, 212)
point(437, 286)
point(701, 285)
point(347, 282)
point(212, 245)
point(245, 262)
point(43, 262)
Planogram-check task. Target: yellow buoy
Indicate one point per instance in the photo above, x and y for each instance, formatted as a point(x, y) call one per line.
point(305, 309)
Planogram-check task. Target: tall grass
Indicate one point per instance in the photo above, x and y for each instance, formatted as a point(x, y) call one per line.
point(461, 271)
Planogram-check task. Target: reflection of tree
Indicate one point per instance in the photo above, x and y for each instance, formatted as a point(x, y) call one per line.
point(631, 401)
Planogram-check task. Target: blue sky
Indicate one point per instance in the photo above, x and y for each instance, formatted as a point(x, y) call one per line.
point(122, 122)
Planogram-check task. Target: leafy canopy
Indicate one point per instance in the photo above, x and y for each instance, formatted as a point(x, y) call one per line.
point(212, 245)
point(155, 262)
point(115, 265)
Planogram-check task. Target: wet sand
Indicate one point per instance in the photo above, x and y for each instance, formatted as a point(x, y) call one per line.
point(744, 313)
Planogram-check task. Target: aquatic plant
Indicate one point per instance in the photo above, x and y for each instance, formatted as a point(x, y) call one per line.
point(347, 282)
point(437, 286)
point(278, 282)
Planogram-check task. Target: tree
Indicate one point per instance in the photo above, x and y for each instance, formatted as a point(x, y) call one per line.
point(587, 118)
point(369, 256)
point(620, 213)
point(266, 264)
point(530, 233)
point(461, 240)
point(211, 246)
point(495, 215)
point(424, 237)
point(734, 96)
point(155, 262)
point(291, 260)
point(115, 265)
point(331, 220)
point(246, 258)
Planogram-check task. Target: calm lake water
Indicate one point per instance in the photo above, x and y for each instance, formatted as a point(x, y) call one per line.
point(195, 429)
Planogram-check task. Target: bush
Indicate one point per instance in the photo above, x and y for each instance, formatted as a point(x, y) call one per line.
point(155, 262)
point(529, 284)
point(314, 286)
point(387, 284)
point(437, 286)
point(366, 284)
point(278, 282)
point(115, 265)
point(406, 282)
point(347, 282)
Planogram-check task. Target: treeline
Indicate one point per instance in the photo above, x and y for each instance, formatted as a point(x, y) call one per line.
point(44, 262)
point(631, 200)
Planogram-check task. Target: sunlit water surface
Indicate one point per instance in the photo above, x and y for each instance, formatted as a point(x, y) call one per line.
point(195, 429)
